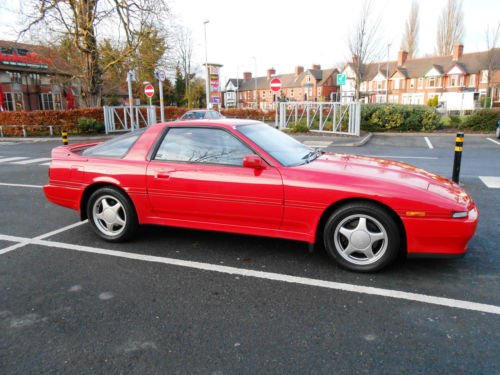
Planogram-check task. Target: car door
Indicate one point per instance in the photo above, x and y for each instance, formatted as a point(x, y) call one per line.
point(197, 174)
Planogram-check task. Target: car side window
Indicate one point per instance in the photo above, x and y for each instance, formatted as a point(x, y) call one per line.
point(115, 148)
point(202, 145)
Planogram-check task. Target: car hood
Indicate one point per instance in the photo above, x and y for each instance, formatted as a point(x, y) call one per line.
point(391, 172)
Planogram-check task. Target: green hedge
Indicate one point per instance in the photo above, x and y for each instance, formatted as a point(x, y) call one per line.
point(398, 117)
point(484, 119)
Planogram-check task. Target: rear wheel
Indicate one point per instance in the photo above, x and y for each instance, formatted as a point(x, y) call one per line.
point(362, 237)
point(111, 215)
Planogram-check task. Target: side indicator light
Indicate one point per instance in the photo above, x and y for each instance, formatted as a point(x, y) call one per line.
point(415, 213)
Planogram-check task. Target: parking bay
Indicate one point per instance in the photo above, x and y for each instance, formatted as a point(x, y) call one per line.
point(67, 307)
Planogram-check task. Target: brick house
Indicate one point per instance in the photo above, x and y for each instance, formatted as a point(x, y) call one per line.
point(313, 84)
point(32, 78)
point(458, 80)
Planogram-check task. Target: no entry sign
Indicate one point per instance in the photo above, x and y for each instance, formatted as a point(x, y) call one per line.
point(149, 90)
point(275, 84)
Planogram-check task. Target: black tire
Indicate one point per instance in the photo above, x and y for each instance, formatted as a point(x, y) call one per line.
point(497, 133)
point(112, 215)
point(374, 237)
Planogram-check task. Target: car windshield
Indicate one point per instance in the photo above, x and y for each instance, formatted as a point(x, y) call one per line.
point(288, 151)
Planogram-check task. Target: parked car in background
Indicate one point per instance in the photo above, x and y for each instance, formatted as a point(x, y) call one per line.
point(201, 114)
point(246, 177)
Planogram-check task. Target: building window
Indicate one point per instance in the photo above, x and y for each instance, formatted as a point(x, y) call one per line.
point(420, 83)
point(13, 101)
point(300, 91)
point(51, 101)
point(308, 78)
point(264, 94)
point(255, 94)
point(461, 81)
point(15, 77)
point(291, 93)
point(396, 84)
point(484, 76)
point(310, 91)
point(363, 86)
point(241, 96)
point(432, 82)
point(403, 83)
point(379, 86)
point(412, 83)
point(319, 91)
point(454, 81)
point(35, 79)
point(472, 80)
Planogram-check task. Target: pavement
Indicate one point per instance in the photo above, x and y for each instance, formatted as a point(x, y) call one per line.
point(179, 301)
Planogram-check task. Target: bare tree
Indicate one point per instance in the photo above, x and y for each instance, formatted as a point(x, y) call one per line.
point(451, 27)
point(410, 36)
point(364, 46)
point(184, 55)
point(493, 58)
point(127, 20)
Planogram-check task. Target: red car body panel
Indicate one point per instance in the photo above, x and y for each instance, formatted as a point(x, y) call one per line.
point(276, 201)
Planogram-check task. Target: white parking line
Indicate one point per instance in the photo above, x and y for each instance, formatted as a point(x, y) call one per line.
point(12, 159)
point(492, 140)
point(491, 182)
point(414, 297)
point(23, 241)
point(403, 157)
point(21, 185)
point(429, 143)
point(31, 161)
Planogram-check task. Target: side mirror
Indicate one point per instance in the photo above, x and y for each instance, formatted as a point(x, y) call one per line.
point(253, 161)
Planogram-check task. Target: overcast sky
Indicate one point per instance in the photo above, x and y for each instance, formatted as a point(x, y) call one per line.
point(286, 33)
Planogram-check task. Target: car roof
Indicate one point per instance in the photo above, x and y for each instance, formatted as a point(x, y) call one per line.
point(223, 122)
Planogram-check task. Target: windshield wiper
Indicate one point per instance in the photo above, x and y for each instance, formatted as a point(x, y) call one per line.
point(311, 156)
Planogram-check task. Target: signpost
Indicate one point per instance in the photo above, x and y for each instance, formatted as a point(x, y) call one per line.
point(130, 78)
point(276, 87)
point(161, 77)
point(149, 90)
point(340, 79)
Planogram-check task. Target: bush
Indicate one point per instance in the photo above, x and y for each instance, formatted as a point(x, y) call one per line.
point(398, 117)
point(433, 102)
point(484, 120)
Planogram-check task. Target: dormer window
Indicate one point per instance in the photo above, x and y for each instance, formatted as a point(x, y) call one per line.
point(308, 78)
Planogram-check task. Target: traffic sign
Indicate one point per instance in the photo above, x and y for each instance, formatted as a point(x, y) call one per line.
point(275, 84)
point(161, 75)
point(149, 90)
point(340, 79)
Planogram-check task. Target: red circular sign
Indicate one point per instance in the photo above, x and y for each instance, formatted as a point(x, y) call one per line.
point(275, 84)
point(149, 90)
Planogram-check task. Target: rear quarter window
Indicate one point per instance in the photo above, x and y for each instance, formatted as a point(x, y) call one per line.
point(115, 148)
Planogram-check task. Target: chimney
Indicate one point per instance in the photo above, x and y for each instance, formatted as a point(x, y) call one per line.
point(298, 70)
point(402, 56)
point(270, 72)
point(355, 60)
point(316, 67)
point(247, 76)
point(458, 51)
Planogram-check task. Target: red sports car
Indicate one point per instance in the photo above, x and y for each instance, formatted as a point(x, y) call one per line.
point(246, 177)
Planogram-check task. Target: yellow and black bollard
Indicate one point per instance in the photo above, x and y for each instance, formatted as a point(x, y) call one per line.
point(459, 146)
point(64, 135)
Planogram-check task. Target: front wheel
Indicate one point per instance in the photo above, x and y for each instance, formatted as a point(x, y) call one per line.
point(498, 132)
point(362, 237)
point(111, 215)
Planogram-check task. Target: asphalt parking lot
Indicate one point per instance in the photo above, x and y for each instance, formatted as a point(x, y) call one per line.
point(178, 301)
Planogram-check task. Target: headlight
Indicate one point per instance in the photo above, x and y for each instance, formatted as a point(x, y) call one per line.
point(459, 215)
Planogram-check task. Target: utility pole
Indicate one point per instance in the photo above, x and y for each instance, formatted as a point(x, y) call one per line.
point(256, 94)
point(387, 76)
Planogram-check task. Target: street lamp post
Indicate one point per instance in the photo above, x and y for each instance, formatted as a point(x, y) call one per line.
point(387, 76)
point(207, 94)
point(237, 84)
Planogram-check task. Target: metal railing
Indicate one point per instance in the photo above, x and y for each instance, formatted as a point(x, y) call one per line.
point(124, 118)
point(332, 117)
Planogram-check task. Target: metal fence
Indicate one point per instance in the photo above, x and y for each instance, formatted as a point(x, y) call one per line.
point(124, 118)
point(332, 117)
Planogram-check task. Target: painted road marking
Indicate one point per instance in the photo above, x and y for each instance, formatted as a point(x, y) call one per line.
point(414, 297)
point(26, 241)
point(46, 163)
point(31, 161)
point(404, 157)
point(318, 144)
point(6, 143)
point(21, 185)
point(491, 182)
point(492, 140)
point(12, 159)
point(429, 143)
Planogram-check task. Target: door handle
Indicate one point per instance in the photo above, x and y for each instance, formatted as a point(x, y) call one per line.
point(162, 175)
